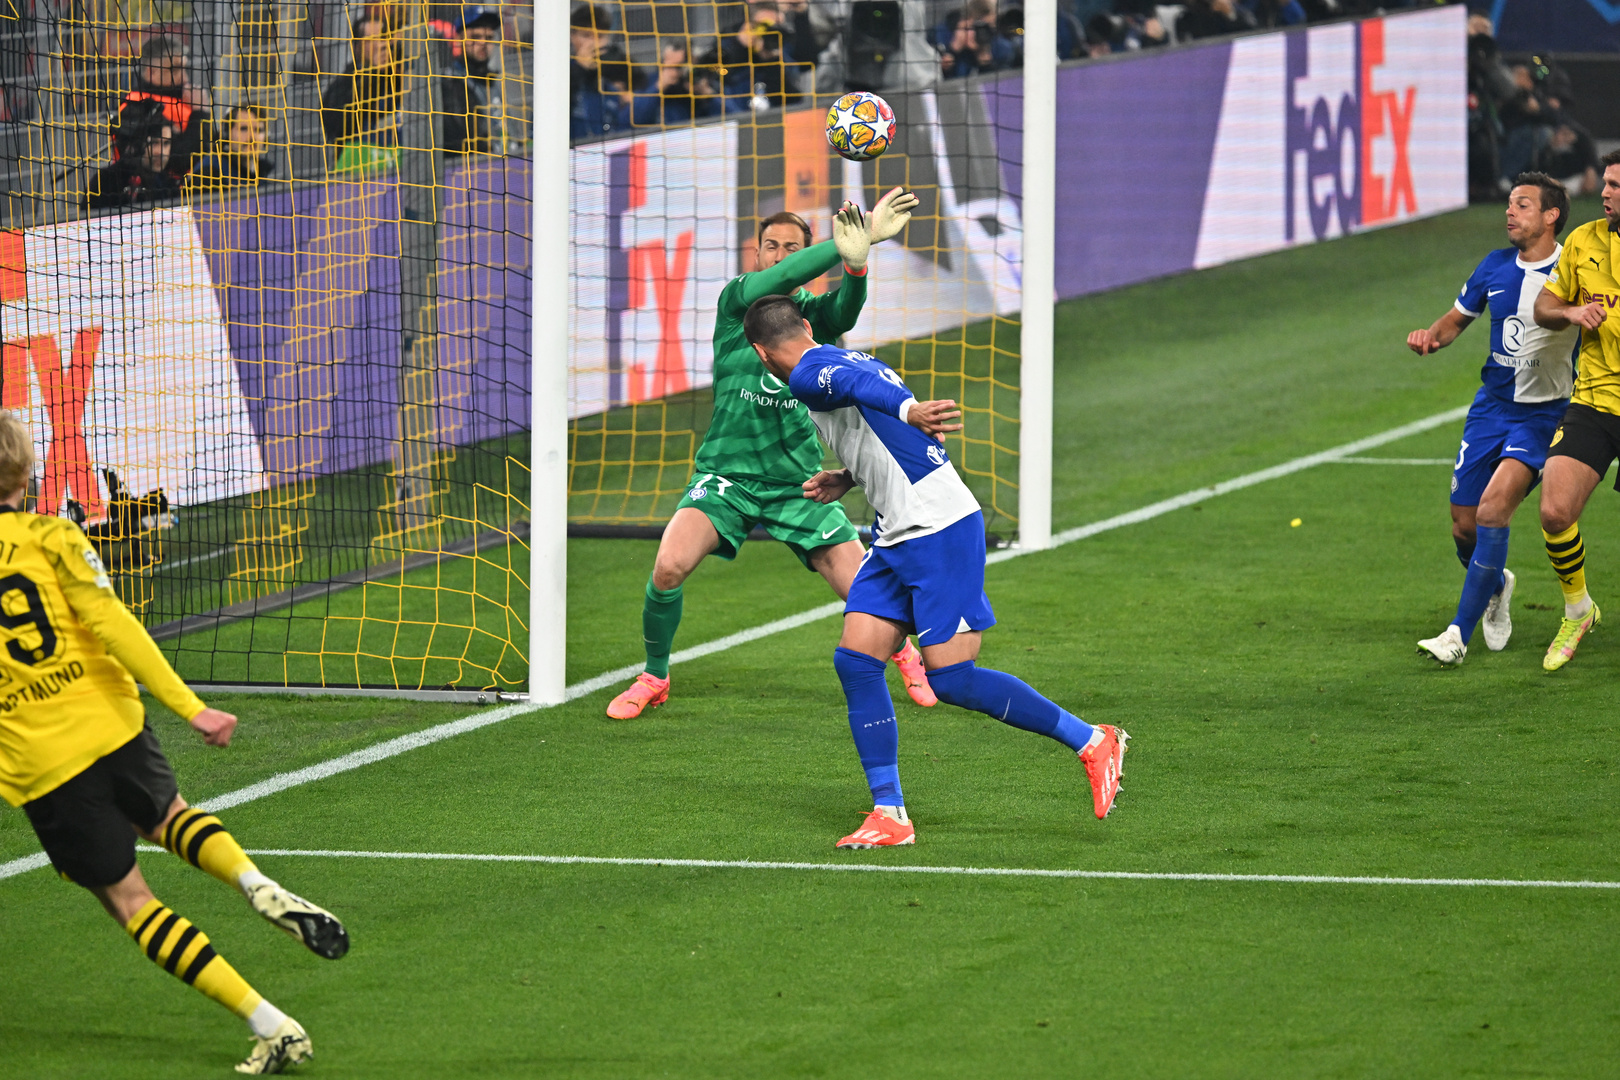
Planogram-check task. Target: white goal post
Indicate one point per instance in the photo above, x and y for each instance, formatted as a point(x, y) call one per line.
point(548, 361)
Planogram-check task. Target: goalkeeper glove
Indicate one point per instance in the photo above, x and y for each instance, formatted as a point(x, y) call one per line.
point(891, 214)
point(851, 236)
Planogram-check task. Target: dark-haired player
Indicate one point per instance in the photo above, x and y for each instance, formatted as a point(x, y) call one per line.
point(925, 572)
point(1524, 389)
point(761, 447)
point(1583, 292)
point(78, 757)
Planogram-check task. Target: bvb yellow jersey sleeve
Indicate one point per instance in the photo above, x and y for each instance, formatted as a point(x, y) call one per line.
point(1562, 279)
point(89, 591)
point(68, 651)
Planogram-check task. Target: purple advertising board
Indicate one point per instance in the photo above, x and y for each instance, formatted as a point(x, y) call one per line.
point(310, 287)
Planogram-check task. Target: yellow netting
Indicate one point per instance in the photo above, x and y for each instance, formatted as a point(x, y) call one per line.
point(705, 121)
point(288, 397)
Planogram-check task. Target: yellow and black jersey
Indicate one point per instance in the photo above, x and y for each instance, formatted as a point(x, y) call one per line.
point(1586, 272)
point(68, 651)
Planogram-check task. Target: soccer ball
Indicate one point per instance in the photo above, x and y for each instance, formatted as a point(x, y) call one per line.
point(860, 126)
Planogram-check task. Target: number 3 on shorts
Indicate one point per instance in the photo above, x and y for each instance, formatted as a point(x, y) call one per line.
point(1460, 454)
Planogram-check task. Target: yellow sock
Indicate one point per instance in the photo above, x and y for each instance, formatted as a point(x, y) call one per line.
point(182, 950)
point(1568, 555)
point(202, 841)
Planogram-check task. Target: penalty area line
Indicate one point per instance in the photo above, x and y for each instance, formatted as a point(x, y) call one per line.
point(428, 736)
point(964, 871)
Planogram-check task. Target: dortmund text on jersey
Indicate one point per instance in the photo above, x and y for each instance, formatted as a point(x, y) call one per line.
point(69, 656)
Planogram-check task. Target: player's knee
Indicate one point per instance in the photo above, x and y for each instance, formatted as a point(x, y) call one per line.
point(954, 684)
point(1462, 532)
point(1495, 513)
point(1555, 518)
point(669, 574)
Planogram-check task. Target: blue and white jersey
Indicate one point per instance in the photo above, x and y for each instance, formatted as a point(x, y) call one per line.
point(1527, 363)
point(859, 405)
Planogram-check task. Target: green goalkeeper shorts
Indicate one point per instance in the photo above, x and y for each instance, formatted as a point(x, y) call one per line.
point(734, 507)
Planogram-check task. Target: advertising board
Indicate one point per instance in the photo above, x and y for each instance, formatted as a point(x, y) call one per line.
point(116, 356)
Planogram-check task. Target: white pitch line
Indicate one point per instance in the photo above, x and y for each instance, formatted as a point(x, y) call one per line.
point(1395, 461)
point(428, 736)
point(1247, 480)
point(969, 871)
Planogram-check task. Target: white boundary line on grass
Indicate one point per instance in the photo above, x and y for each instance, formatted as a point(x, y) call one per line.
point(1395, 461)
point(970, 871)
point(428, 736)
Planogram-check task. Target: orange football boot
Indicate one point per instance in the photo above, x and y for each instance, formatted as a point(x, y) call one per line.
point(647, 692)
point(1105, 764)
point(909, 661)
point(880, 830)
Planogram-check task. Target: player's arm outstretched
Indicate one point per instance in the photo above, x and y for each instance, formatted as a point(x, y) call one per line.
point(1441, 333)
point(84, 582)
point(834, 313)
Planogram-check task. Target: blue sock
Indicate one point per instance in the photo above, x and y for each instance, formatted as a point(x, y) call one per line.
point(871, 721)
point(1484, 578)
point(1010, 700)
point(1465, 550)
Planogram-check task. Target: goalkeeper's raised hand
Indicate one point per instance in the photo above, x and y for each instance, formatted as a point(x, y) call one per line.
point(852, 236)
point(891, 214)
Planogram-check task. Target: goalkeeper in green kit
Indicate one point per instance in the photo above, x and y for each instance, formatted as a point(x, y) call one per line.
point(761, 447)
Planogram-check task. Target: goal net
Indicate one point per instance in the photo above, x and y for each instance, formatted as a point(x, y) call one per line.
point(266, 284)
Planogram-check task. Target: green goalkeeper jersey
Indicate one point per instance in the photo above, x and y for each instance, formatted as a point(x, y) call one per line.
point(759, 430)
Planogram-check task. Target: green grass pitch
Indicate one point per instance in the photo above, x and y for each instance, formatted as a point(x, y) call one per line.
point(1282, 723)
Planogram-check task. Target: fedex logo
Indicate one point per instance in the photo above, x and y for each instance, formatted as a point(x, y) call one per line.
point(1349, 125)
point(631, 266)
point(64, 388)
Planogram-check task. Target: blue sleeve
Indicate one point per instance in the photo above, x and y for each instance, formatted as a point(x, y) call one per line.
point(1471, 301)
point(824, 385)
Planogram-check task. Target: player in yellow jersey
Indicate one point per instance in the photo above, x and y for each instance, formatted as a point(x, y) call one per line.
point(77, 755)
point(1583, 291)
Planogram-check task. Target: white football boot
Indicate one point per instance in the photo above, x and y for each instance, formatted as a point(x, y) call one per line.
point(1497, 625)
point(1448, 647)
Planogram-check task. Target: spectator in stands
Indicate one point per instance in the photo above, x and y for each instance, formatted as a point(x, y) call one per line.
point(1118, 32)
point(471, 87)
point(970, 42)
point(242, 160)
point(1571, 154)
point(161, 77)
point(360, 109)
point(674, 93)
point(1490, 85)
point(144, 140)
point(599, 99)
point(1527, 118)
point(1212, 18)
point(768, 56)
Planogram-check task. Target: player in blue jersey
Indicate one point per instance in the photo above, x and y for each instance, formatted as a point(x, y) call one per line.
point(1526, 383)
point(924, 572)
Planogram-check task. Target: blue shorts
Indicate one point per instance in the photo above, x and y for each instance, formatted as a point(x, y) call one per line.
point(933, 584)
point(1495, 430)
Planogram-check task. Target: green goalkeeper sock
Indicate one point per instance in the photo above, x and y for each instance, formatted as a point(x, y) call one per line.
point(660, 618)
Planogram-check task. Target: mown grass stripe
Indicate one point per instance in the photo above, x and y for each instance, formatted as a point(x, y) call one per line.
point(428, 736)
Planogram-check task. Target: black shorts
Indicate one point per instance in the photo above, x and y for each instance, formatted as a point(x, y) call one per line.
point(1590, 436)
point(87, 826)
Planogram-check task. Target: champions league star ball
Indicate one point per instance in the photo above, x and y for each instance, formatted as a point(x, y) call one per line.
point(860, 126)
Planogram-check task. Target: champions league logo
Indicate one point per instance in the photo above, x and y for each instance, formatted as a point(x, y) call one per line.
point(936, 455)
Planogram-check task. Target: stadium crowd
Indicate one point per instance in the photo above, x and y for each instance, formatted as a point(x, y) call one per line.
point(165, 135)
point(1519, 121)
point(770, 53)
